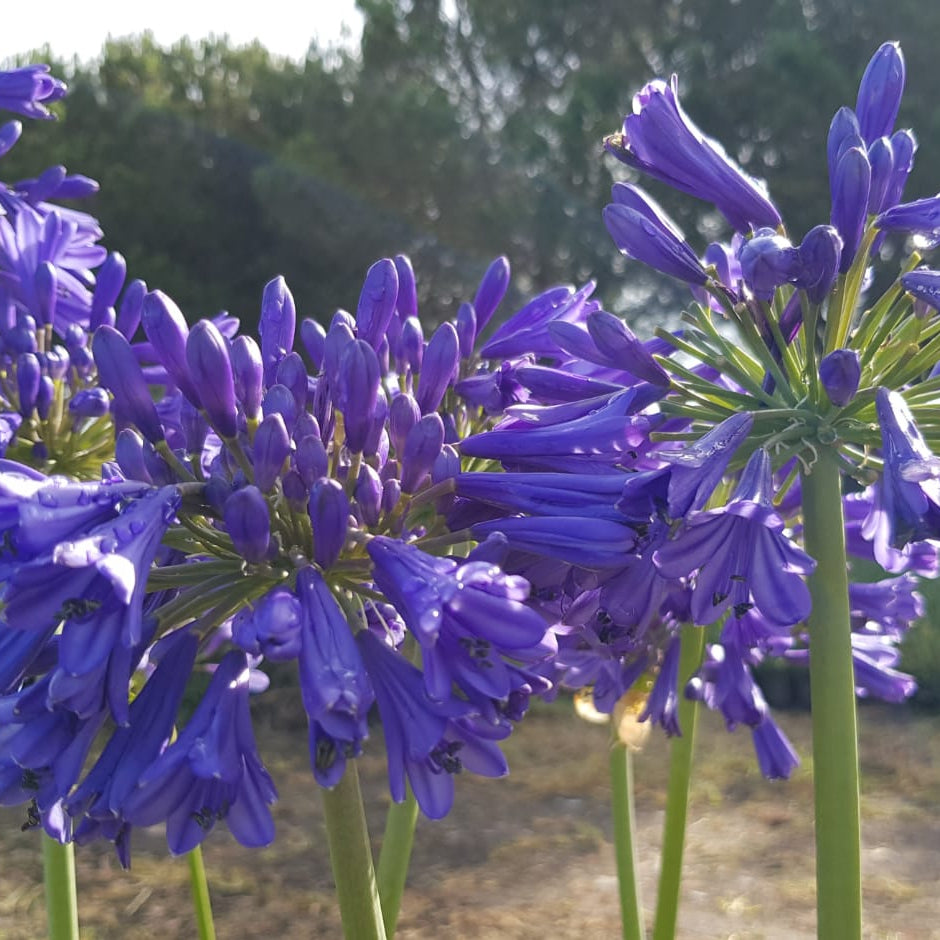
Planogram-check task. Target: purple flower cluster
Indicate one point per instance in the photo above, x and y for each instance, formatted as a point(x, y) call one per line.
point(278, 500)
point(641, 494)
point(51, 296)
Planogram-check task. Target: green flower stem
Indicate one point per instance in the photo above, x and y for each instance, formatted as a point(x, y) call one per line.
point(395, 857)
point(351, 859)
point(58, 864)
point(200, 888)
point(677, 794)
point(624, 817)
point(832, 689)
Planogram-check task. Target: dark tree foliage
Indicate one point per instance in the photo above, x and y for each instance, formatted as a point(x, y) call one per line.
point(461, 130)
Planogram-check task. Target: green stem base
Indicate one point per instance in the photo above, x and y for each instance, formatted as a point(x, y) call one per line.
point(832, 688)
point(677, 794)
point(624, 817)
point(351, 859)
point(395, 857)
point(58, 863)
point(200, 890)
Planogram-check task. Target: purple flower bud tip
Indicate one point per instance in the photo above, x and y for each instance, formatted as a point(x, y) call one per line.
point(850, 191)
point(277, 324)
point(248, 523)
point(439, 367)
point(271, 447)
point(357, 394)
point(643, 231)
point(377, 301)
point(119, 372)
point(879, 92)
point(248, 374)
point(28, 378)
point(767, 261)
point(312, 336)
point(492, 289)
point(820, 252)
point(407, 300)
point(167, 331)
point(211, 369)
point(840, 373)
point(422, 446)
point(329, 515)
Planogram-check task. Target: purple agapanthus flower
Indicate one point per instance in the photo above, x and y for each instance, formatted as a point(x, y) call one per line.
point(659, 139)
point(336, 690)
point(741, 555)
point(27, 91)
point(470, 619)
point(425, 740)
point(211, 772)
point(907, 504)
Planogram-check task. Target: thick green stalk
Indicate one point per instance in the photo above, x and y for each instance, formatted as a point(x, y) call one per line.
point(677, 794)
point(58, 864)
point(200, 889)
point(351, 859)
point(624, 817)
point(832, 688)
point(395, 857)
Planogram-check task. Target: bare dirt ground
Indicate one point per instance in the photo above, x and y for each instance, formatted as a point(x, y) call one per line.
point(531, 856)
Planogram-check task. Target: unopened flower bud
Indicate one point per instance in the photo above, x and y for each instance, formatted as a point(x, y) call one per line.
point(248, 523)
point(211, 369)
point(839, 373)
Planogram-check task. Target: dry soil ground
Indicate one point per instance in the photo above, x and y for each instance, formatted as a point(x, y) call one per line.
point(530, 856)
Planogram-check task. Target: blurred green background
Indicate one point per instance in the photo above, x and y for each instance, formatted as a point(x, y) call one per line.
point(456, 131)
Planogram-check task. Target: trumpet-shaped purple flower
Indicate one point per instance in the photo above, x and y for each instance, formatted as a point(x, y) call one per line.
point(426, 740)
point(525, 331)
point(98, 801)
point(545, 494)
point(741, 554)
point(336, 690)
point(659, 139)
point(578, 540)
point(775, 754)
point(907, 503)
point(662, 706)
point(467, 618)
point(605, 436)
point(690, 477)
point(29, 89)
point(211, 772)
point(95, 582)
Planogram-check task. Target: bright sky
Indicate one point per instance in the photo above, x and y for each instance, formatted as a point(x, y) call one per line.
point(285, 27)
